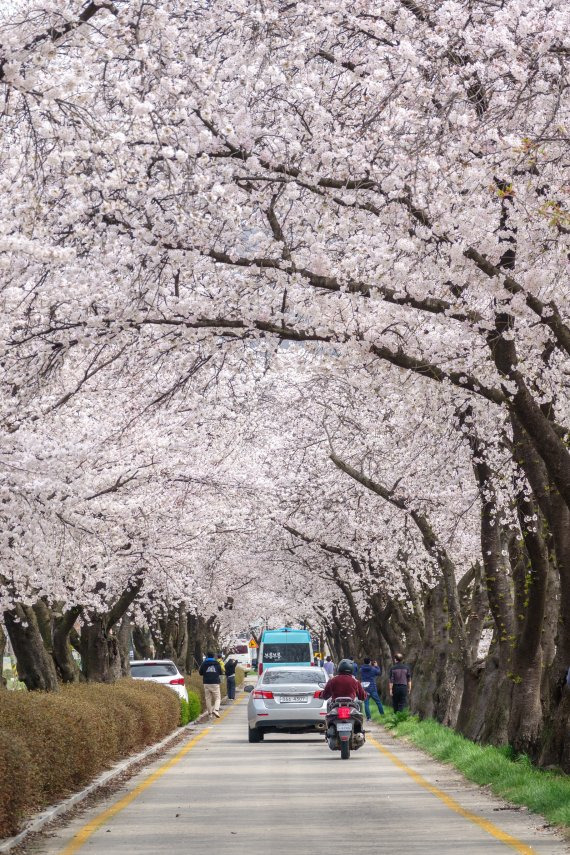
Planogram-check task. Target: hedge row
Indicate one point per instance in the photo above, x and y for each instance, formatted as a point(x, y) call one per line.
point(52, 744)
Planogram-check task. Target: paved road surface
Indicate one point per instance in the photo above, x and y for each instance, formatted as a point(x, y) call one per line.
point(290, 795)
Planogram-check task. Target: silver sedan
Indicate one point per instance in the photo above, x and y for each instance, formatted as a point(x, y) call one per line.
point(288, 700)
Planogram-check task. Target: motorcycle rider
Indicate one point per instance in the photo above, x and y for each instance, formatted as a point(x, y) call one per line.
point(344, 685)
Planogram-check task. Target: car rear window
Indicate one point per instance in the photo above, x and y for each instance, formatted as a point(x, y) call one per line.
point(287, 653)
point(239, 648)
point(162, 669)
point(295, 675)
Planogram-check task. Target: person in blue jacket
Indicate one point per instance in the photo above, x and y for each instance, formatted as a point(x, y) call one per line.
point(369, 672)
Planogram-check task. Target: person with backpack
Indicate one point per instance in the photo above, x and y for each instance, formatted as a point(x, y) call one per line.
point(211, 674)
point(369, 672)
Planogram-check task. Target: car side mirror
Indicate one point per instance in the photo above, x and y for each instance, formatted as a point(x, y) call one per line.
point(248, 688)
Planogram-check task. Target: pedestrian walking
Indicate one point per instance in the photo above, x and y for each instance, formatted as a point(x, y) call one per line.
point(220, 659)
point(369, 673)
point(211, 674)
point(328, 665)
point(231, 666)
point(400, 683)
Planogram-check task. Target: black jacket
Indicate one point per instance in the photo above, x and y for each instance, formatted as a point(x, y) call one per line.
point(231, 666)
point(211, 672)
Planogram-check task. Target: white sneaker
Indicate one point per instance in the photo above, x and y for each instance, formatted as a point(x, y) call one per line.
point(216, 713)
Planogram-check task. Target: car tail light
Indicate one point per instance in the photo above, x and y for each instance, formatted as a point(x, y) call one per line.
point(178, 682)
point(261, 693)
point(344, 712)
point(318, 693)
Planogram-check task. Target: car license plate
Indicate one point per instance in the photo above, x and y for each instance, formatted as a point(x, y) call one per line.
point(294, 699)
point(342, 728)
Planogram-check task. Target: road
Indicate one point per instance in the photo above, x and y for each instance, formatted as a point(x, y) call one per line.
point(290, 795)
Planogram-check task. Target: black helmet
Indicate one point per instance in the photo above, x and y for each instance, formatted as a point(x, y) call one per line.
point(345, 667)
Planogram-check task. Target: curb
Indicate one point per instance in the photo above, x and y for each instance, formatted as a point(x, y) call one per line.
point(40, 820)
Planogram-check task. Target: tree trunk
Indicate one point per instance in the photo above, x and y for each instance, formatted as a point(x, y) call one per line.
point(2, 649)
point(191, 652)
point(35, 665)
point(423, 674)
point(124, 642)
point(66, 666)
point(360, 631)
point(526, 724)
point(527, 412)
point(100, 649)
point(100, 656)
point(181, 639)
point(44, 618)
point(382, 614)
point(485, 708)
point(476, 614)
point(142, 642)
point(555, 749)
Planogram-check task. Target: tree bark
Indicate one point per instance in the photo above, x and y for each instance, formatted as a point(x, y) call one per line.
point(124, 642)
point(100, 651)
point(550, 446)
point(526, 721)
point(192, 661)
point(66, 666)
point(36, 667)
point(142, 642)
point(2, 649)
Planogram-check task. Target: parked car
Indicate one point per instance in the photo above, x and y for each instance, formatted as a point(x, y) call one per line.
point(160, 671)
point(287, 700)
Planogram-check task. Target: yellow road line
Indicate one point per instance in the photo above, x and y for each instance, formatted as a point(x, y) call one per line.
point(450, 802)
point(95, 824)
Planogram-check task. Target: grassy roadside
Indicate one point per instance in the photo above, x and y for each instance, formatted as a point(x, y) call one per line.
point(514, 778)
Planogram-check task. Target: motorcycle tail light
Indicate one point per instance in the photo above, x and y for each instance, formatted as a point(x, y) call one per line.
point(318, 694)
point(261, 693)
point(343, 712)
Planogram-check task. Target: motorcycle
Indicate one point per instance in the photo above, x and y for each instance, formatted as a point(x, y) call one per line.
point(345, 726)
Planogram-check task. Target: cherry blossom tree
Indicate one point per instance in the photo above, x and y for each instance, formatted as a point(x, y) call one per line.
point(296, 272)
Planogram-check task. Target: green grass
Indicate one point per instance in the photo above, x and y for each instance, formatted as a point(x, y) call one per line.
point(510, 776)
